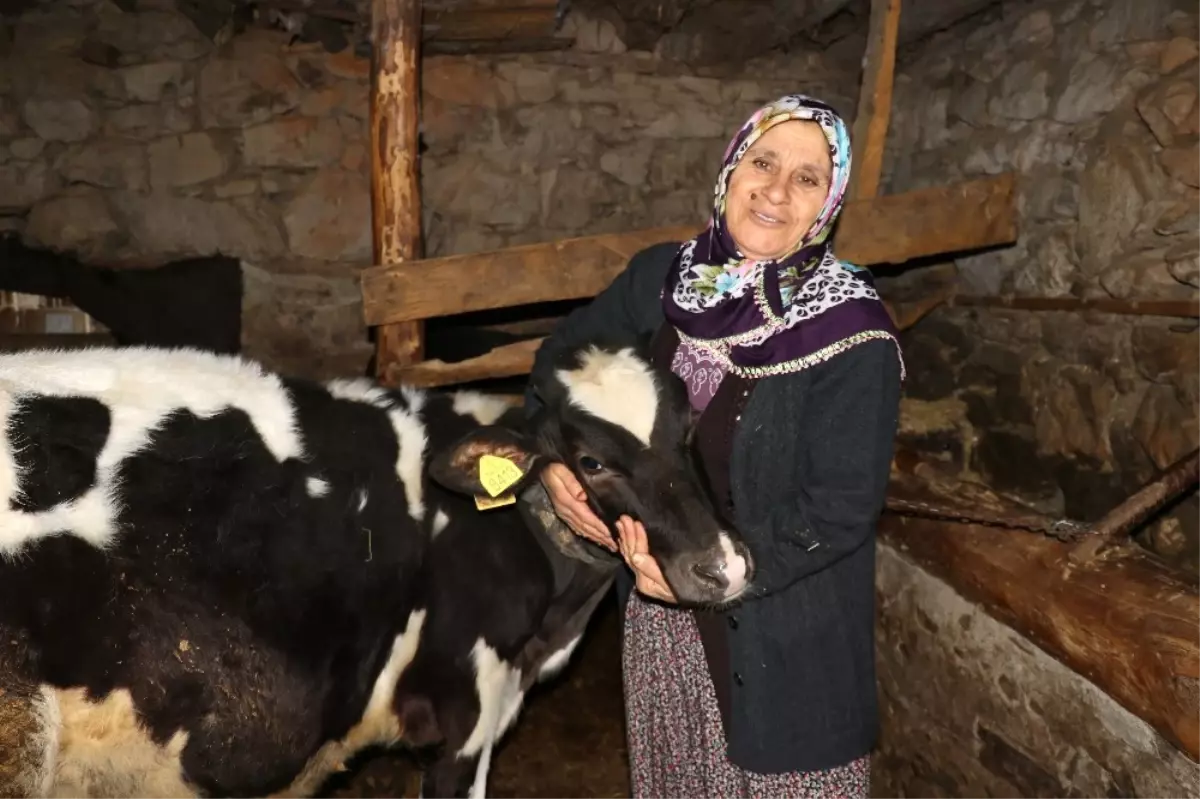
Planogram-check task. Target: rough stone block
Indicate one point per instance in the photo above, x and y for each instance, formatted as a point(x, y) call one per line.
point(292, 142)
point(185, 160)
point(330, 218)
point(60, 120)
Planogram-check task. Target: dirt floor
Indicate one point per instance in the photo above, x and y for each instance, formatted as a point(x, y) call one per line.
point(569, 740)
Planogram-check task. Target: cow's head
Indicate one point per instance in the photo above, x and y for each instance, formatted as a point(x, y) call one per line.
point(624, 428)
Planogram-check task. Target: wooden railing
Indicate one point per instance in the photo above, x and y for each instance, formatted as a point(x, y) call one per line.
point(886, 230)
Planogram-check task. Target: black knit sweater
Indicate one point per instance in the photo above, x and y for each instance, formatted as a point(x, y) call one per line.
point(808, 474)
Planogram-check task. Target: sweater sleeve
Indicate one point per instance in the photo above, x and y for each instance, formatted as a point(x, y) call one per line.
point(829, 434)
point(628, 309)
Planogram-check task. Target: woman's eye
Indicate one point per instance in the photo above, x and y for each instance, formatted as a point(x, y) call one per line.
point(590, 464)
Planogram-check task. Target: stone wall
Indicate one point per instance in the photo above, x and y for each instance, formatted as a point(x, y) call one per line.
point(1094, 106)
point(128, 138)
point(971, 708)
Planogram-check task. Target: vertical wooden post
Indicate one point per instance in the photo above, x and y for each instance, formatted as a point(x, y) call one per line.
point(395, 178)
point(875, 99)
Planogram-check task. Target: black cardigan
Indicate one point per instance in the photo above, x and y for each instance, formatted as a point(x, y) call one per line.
point(810, 464)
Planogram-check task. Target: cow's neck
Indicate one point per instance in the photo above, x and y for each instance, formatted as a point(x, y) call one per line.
point(565, 551)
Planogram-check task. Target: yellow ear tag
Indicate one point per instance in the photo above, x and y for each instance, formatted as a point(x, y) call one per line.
point(497, 474)
point(483, 503)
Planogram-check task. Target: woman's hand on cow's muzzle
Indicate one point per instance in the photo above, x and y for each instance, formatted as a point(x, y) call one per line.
point(570, 503)
point(635, 548)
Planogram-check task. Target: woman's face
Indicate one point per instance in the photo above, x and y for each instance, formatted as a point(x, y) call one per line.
point(777, 190)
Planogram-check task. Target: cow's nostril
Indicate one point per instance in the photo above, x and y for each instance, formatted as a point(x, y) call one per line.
point(711, 573)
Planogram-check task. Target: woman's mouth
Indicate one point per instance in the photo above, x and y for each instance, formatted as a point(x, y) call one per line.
point(766, 219)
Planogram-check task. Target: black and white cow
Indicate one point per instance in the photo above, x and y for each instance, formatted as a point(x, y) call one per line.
point(220, 581)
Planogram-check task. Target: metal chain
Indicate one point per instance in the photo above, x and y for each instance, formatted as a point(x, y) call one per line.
point(1067, 530)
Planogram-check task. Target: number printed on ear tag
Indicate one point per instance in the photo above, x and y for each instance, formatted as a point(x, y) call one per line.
point(498, 474)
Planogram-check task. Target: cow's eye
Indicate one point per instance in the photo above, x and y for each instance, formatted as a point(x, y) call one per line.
point(590, 464)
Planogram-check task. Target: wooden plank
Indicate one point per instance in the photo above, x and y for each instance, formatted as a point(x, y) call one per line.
point(1127, 622)
point(395, 186)
point(1131, 307)
point(893, 229)
point(509, 360)
point(542, 44)
point(561, 270)
point(875, 99)
point(476, 23)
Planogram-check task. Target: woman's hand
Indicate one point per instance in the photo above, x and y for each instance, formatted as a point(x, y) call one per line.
point(570, 503)
point(636, 551)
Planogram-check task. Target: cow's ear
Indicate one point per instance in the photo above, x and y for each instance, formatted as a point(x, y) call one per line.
point(489, 462)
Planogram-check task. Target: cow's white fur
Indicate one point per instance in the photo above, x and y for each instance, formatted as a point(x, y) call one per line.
point(410, 431)
point(404, 649)
point(559, 659)
point(735, 567)
point(617, 387)
point(45, 743)
point(498, 686)
point(484, 408)
point(141, 386)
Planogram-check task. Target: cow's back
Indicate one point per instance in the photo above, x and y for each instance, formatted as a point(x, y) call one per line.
point(216, 557)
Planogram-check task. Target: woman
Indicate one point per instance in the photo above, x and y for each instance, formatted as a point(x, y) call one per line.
point(792, 361)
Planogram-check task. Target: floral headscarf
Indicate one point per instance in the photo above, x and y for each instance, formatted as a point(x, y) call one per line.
point(749, 312)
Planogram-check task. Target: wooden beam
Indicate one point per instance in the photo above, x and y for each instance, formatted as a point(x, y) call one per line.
point(509, 360)
point(893, 229)
point(1127, 622)
point(1181, 308)
point(566, 269)
point(521, 21)
point(542, 44)
point(875, 99)
point(395, 186)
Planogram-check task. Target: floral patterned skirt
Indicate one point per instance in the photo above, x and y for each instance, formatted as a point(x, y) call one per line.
point(673, 725)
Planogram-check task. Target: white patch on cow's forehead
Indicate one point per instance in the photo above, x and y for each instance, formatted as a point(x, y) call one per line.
point(486, 409)
point(140, 387)
point(617, 387)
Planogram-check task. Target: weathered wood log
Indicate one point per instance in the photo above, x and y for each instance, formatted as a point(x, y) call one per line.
point(875, 99)
point(1181, 308)
point(395, 186)
point(893, 229)
point(1127, 622)
point(560, 270)
point(509, 360)
point(541, 44)
point(520, 21)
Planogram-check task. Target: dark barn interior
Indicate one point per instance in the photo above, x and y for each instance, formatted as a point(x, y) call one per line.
point(210, 173)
